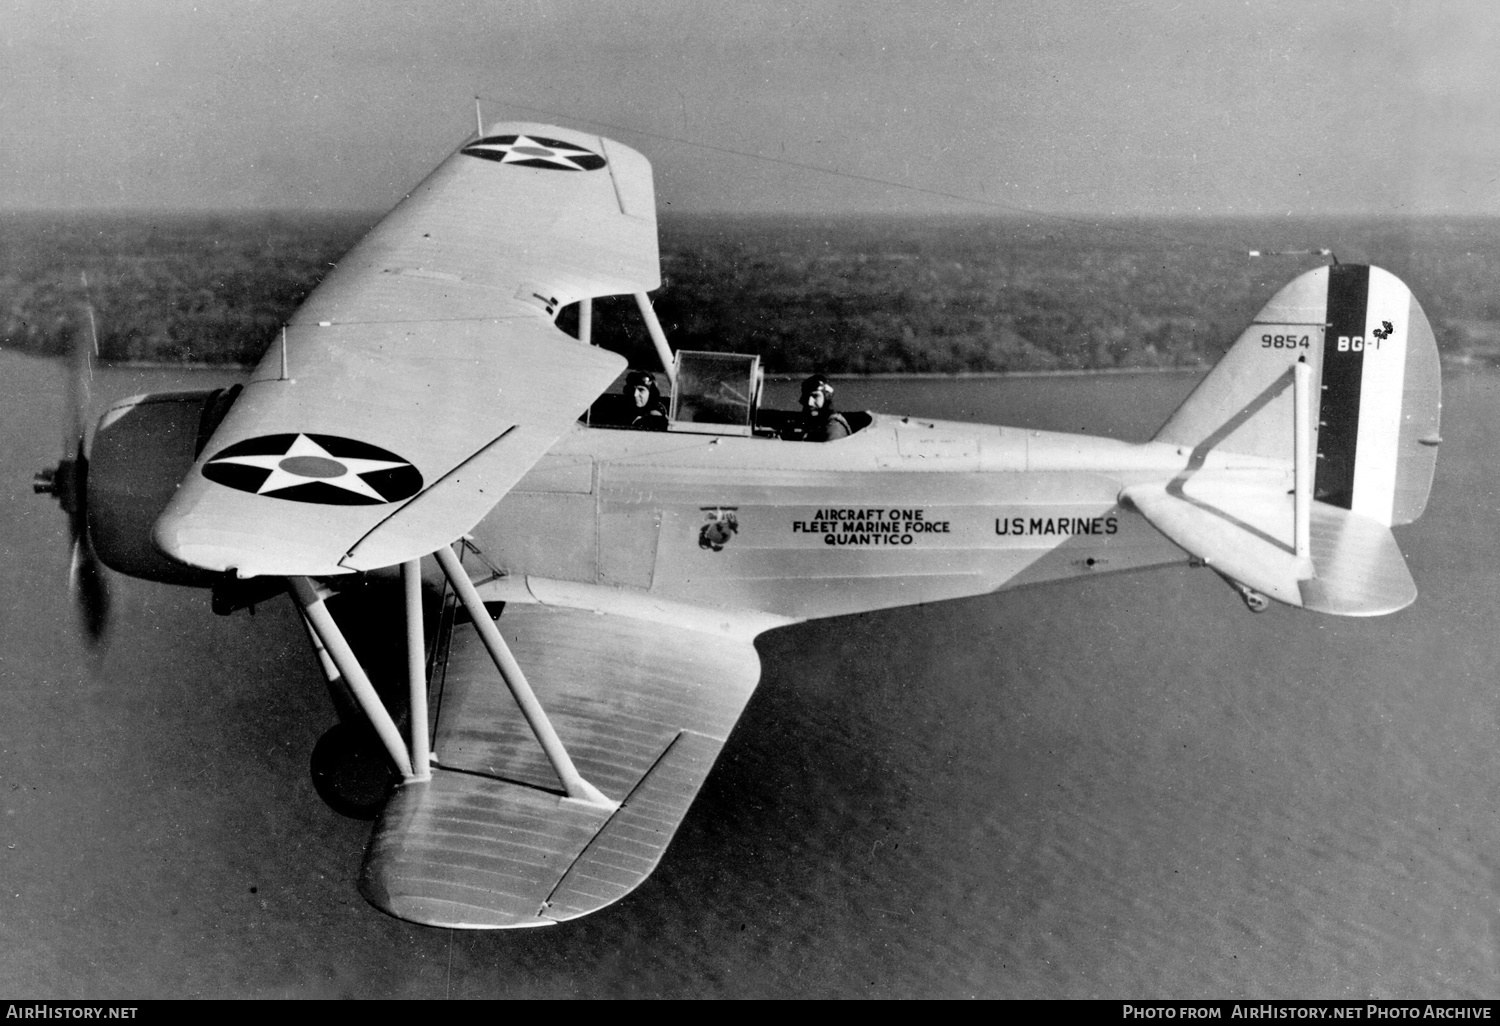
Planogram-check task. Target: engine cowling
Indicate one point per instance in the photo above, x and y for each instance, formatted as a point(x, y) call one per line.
point(142, 448)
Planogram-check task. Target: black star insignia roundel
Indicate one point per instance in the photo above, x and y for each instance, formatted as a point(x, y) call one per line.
point(315, 468)
point(535, 151)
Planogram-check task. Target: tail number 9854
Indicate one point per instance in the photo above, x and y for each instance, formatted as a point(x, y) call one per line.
point(1284, 342)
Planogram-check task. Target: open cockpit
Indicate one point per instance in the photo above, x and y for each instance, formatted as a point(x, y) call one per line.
point(709, 394)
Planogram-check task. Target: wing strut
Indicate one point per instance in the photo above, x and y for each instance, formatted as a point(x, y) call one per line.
point(578, 789)
point(416, 669)
point(658, 337)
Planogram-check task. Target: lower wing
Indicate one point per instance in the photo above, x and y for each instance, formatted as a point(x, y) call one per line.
point(643, 694)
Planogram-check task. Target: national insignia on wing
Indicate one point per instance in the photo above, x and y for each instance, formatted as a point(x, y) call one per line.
point(535, 151)
point(315, 468)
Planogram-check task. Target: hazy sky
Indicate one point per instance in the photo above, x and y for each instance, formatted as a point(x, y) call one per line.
point(1212, 106)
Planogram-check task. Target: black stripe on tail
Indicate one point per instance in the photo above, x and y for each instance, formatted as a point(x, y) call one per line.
point(1343, 370)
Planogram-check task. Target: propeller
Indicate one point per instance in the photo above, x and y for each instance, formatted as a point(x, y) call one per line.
point(68, 481)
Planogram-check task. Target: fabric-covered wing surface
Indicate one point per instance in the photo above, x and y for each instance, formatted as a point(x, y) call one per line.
point(428, 355)
point(643, 706)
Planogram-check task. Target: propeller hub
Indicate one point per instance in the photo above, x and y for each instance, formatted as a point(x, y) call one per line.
point(61, 482)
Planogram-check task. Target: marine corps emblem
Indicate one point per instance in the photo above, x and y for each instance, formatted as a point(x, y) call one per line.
point(721, 526)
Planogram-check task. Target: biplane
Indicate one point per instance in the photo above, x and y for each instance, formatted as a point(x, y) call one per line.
point(580, 601)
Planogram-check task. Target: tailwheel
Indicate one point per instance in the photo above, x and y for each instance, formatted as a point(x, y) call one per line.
point(1254, 600)
point(352, 772)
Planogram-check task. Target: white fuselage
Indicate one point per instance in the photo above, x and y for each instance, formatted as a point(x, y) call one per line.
point(904, 511)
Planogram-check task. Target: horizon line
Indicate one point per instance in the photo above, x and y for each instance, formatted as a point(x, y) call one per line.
point(895, 215)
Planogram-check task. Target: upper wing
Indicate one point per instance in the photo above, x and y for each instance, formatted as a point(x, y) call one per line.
point(643, 694)
point(425, 375)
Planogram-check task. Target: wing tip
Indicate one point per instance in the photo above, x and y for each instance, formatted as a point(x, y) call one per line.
point(442, 913)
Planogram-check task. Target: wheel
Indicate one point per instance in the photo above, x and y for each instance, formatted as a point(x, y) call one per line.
point(1256, 602)
point(351, 771)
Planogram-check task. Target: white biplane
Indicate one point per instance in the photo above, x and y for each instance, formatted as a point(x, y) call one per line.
point(599, 590)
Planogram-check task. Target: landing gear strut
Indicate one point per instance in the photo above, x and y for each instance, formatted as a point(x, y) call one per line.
point(340, 762)
point(358, 762)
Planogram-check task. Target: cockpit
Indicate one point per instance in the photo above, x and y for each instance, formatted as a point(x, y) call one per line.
point(712, 394)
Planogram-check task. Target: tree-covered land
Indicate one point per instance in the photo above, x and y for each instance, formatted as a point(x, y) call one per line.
point(872, 295)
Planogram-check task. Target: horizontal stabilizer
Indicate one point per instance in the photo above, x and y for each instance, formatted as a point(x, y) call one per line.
point(1245, 532)
point(1336, 385)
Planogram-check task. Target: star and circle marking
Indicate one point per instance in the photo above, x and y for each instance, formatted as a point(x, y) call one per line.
point(535, 151)
point(322, 469)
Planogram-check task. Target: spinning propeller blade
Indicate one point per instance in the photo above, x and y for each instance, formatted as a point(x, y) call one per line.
point(68, 481)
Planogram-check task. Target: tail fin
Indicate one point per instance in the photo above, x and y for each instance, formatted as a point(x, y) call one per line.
point(1377, 394)
point(1372, 409)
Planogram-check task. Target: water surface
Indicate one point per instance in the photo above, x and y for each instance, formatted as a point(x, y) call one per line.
point(1126, 786)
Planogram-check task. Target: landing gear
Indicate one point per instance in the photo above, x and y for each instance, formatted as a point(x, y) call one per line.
point(1254, 600)
point(360, 762)
point(352, 772)
point(353, 766)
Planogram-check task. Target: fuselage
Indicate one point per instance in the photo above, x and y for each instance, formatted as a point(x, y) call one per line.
point(903, 511)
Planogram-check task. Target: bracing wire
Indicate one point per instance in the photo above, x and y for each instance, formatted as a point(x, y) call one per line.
point(1097, 224)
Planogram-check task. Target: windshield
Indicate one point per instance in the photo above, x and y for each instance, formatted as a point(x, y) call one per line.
point(716, 390)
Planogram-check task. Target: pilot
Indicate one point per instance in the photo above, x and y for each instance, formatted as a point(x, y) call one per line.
point(645, 410)
point(818, 421)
